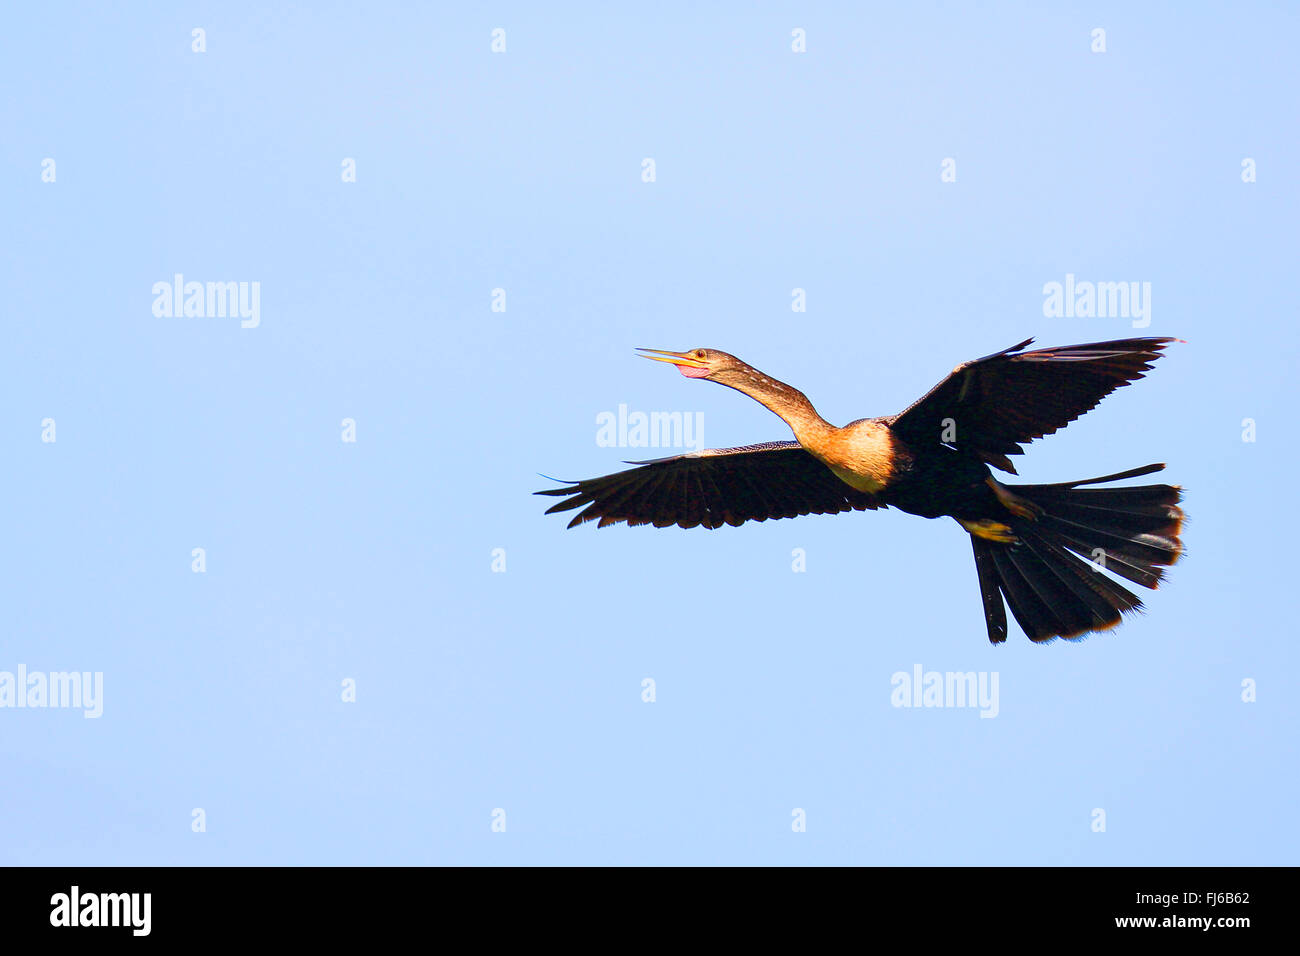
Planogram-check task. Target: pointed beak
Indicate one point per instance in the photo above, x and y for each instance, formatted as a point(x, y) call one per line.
point(680, 359)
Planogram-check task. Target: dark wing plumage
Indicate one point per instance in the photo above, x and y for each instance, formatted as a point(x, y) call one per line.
point(1012, 397)
point(713, 487)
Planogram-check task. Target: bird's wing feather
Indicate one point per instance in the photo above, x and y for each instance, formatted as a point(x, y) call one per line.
point(1011, 397)
point(713, 487)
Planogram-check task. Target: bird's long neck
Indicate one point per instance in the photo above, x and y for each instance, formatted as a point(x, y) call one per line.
point(786, 401)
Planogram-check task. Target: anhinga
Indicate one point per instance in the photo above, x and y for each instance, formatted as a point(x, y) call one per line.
point(932, 460)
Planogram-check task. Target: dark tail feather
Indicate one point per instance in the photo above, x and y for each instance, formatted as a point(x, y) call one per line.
point(1131, 532)
point(995, 614)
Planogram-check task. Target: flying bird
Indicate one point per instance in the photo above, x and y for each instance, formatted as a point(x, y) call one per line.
point(1043, 549)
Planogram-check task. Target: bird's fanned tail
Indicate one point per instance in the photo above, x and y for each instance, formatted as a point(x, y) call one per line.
point(1052, 577)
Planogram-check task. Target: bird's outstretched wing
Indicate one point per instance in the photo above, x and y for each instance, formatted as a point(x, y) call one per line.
point(714, 487)
point(990, 406)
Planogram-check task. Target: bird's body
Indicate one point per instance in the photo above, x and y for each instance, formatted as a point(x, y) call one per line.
point(933, 460)
point(864, 455)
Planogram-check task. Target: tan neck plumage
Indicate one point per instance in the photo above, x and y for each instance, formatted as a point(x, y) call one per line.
point(862, 455)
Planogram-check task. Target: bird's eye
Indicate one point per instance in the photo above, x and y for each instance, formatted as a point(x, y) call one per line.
point(699, 353)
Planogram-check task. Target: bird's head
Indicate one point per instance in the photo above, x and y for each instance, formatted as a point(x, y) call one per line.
point(702, 363)
point(725, 369)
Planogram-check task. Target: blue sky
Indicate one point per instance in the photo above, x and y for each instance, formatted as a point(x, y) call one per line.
point(372, 561)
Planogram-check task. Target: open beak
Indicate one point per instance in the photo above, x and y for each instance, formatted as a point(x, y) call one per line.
point(680, 359)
